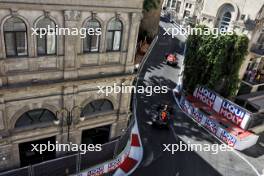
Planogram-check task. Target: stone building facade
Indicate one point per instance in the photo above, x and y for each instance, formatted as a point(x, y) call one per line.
point(242, 16)
point(41, 76)
point(182, 9)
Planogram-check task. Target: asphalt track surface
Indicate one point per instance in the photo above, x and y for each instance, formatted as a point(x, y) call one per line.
point(156, 162)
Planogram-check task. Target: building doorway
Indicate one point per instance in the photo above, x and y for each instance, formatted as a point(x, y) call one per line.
point(29, 157)
point(98, 135)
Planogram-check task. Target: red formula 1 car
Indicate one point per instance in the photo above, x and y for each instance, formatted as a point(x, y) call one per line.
point(171, 59)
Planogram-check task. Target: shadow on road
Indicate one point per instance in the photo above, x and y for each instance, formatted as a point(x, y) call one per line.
point(257, 150)
point(156, 162)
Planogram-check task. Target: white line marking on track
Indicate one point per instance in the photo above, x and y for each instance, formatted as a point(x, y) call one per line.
point(234, 151)
point(243, 158)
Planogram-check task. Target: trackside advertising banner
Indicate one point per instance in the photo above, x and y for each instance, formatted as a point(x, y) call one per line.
point(205, 95)
point(224, 107)
point(227, 138)
point(214, 127)
point(234, 113)
point(197, 115)
point(208, 123)
point(211, 125)
point(107, 167)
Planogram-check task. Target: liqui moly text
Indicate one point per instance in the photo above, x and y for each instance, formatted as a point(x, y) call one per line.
point(96, 171)
point(113, 165)
point(232, 112)
point(198, 116)
point(211, 125)
point(206, 96)
point(185, 105)
point(228, 138)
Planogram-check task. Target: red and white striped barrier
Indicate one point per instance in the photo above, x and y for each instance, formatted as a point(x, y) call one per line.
point(125, 163)
point(134, 157)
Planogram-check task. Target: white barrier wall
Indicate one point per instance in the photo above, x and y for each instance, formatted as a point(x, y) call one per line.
point(231, 111)
point(215, 128)
point(125, 163)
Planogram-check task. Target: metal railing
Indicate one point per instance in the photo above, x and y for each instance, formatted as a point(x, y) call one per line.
point(74, 163)
point(25, 171)
point(257, 48)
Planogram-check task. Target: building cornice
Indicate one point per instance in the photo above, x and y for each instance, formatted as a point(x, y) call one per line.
point(65, 83)
point(97, 5)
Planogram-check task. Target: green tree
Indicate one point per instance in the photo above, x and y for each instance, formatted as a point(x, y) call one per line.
point(214, 61)
point(151, 4)
point(151, 16)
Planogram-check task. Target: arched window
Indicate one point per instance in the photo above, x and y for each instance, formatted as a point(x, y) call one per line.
point(97, 106)
point(114, 35)
point(168, 3)
point(225, 21)
point(91, 41)
point(15, 34)
point(35, 117)
point(46, 44)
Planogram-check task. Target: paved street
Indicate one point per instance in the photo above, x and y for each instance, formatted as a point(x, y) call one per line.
point(159, 163)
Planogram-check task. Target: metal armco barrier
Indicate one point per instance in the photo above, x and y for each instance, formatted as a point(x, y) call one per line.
point(92, 158)
point(122, 142)
point(25, 171)
point(61, 166)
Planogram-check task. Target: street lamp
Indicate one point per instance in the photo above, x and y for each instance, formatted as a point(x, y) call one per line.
point(69, 118)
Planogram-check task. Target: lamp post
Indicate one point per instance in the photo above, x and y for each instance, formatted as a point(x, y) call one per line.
point(69, 118)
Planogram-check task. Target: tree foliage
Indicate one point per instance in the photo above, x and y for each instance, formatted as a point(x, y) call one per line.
point(214, 61)
point(151, 16)
point(151, 4)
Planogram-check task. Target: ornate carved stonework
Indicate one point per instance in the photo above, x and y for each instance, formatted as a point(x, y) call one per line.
point(14, 12)
point(117, 15)
point(93, 14)
point(137, 16)
point(72, 15)
point(2, 67)
point(46, 13)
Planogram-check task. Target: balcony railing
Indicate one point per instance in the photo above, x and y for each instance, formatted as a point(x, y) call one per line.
point(257, 48)
point(254, 81)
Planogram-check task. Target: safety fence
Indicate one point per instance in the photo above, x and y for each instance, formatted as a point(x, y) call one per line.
point(75, 162)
